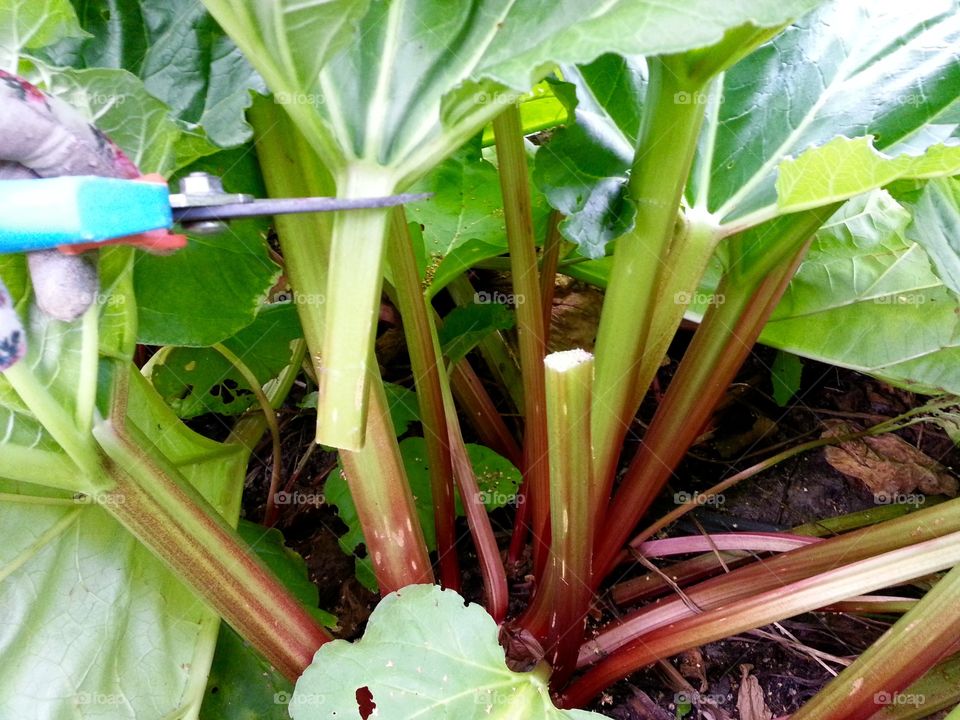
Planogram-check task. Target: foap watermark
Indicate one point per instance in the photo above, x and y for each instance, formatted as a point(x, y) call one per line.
point(493, 98)
point(895, 498)
point(698, 298)
point(298, 298)
point(499, 499)
point(692, 98)
point(299, 698)
point(492, 698)
point(901, 299)
point(95, 98)
point(99, 498)
point(898, 698)
point(485, 297)
point(103, 299)
point(914, 99)
point(697, 698)
point(299, 498)
point(299, 98)
point(682, 498)
point(100, 698)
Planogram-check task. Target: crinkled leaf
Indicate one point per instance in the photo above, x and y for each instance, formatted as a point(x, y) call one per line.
point(180, 53)
point(195, 381)
point(868, 298)
point(424, 653)
point(936, 228)
point(215, 286)
point(464, 327)
point(819, 80)
point(242, 685)
point(32, 24)
point(466, 203)
point(583, 169)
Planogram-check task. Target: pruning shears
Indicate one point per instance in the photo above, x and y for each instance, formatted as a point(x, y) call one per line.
point(44, 213)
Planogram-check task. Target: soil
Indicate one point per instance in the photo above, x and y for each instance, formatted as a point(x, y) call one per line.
point(745, 429)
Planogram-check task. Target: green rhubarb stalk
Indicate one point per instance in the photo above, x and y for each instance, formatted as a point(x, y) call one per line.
point(668, 139)
point(379, 488)
point(763, 608)
point(354, 281)
point(719, 347)
point(515, 188)
point(426, 376)
point(478, 520)
point(290, 168)
point(938, 689)
point(168, 515)
point(573, 505)
point(913, 645)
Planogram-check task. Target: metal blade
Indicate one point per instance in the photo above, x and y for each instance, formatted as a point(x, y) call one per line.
point(289, 206)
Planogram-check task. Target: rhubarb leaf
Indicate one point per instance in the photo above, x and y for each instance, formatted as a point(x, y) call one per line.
point(583, 168)
point(216, 285)
point(424, 653)
point(867, 297)
point(817, 81)
point(179, 52)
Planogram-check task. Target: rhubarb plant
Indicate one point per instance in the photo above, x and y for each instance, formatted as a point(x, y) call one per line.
point(774, 171)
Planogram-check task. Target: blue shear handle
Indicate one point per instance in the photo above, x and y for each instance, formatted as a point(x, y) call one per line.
point(47, 212)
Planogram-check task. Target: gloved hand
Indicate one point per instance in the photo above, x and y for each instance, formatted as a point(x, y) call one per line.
point(42, 136)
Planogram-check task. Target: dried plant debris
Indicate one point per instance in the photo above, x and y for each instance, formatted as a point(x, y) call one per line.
point(888, 465)
point(750, 702)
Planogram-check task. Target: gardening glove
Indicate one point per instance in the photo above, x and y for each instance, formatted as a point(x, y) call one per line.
point(42, 136)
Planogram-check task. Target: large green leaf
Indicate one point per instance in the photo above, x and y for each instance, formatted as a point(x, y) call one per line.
point(216, 285)
point(843, 168)
point(178, 51)
point(868, 298)
point(819, 80)
point(424, 654)
point(889, 88)
point(380, 98)
point(94, 626)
